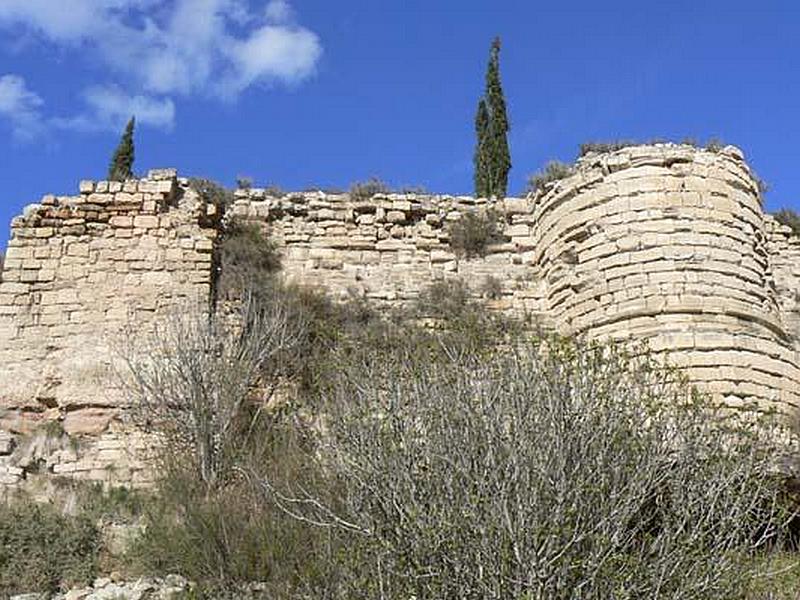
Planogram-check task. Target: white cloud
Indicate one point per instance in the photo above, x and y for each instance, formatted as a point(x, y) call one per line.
point(278, 11)
point(73, 21)
point(21, 107)
point(160, 49)
point(273, 53)
point(109, 108)
point(178, 46)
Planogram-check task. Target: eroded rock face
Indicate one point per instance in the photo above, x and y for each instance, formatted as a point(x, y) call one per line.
point(664, 243)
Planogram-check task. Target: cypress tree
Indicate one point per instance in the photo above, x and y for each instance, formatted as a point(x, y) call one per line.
point(500, 154)
point(493, 158)
point(481, 158)
point(121, 167)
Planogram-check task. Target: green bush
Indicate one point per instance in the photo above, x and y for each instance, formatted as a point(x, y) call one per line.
point(248, 260)
point(212, 192)
point(471, 235)
point(228, 537)
point(44, 551)
point(553, 171)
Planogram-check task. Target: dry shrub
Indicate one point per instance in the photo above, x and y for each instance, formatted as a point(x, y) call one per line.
point(569, 471)
point(553, 171)
point(790, 218)
point(364, 190)
point(472, 234)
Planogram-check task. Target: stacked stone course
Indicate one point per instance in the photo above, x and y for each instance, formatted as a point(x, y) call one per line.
point(665, 243)
point(79, 271)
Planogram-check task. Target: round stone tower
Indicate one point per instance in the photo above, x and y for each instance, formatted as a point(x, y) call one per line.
point(667, 243)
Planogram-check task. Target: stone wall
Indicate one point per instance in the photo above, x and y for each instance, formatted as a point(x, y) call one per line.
point(671, 245)
point(80, 272)
point(662, 243)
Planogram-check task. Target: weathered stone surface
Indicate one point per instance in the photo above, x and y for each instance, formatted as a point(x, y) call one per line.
point(79, 275)
point(659, 243)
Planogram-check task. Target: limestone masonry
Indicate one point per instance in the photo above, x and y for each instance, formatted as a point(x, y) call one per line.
point(662, 243)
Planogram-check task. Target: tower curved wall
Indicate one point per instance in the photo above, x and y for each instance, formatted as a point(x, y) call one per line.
point(669, 245)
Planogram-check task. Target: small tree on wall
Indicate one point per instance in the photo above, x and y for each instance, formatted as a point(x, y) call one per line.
point(121, 167)
point(492, 155)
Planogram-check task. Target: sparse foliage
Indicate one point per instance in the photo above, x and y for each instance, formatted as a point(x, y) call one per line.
point(492, 287)
point(193, 381)
point(471, 235)
point(553, 171)
point(569, 471)
point(604, 147)
point(275, 191)
point(364, 190)
point(790, 218)
point(212, 192)
point(715, 144)
point(121, 167)
point(227, 539)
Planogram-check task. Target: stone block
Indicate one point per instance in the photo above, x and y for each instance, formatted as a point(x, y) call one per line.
point(100, 199)
point(145, 221)
point(204, 245)
point(43, 232)
point(121, 221)
point(29, 276)
point(78, 249)
point(162, 174)
point(395, 216)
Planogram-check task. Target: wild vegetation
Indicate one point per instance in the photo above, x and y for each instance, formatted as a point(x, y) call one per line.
point(364, 190)
point(712, 145)
point(492, 156)
point(471, 235)
point(790, 218)
point(328, 450)
point(553, 171)
point(121, 167)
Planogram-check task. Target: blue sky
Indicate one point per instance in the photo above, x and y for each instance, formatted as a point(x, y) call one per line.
point(318, 93)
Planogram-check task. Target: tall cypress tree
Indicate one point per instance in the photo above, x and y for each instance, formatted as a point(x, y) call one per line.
point(121, 167)
point(491, 171)
point(481, 158)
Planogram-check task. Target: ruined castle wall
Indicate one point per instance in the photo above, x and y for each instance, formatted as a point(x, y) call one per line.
point(81, 272)
point(784, 252)
point(665, 243)
point(389, 248)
